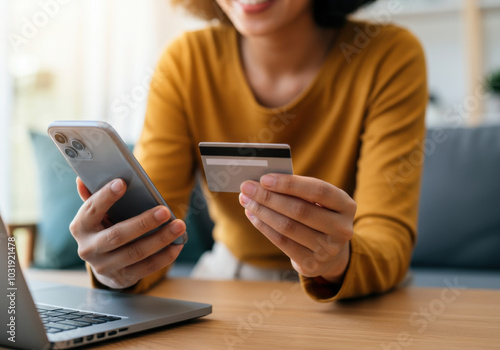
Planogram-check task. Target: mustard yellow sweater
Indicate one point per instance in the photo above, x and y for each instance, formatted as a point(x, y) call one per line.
point(358, 126)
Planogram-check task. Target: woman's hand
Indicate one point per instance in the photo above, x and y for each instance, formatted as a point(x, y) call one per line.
point(310, 220)
point(118, 261)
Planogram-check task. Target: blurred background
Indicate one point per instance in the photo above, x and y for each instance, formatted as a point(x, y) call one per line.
point(93, 59)
point(74, 60)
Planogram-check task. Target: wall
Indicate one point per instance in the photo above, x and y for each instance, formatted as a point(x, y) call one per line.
point(439, 25)
point(4, 117)
point(78, 60)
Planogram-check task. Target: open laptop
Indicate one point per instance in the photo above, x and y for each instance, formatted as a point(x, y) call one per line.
point(55, 316)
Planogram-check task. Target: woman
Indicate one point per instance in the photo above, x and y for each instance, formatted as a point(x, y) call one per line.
point(348, 97)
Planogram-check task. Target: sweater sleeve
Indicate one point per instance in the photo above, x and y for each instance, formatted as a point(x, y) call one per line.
point(388, 177)
point(165, 148)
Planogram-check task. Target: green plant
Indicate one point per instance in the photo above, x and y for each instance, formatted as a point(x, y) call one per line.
point(493, 82)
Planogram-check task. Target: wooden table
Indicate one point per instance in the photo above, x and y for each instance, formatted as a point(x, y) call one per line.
point(274, 315)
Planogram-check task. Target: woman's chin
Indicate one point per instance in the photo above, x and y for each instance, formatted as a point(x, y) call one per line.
point(255, 29)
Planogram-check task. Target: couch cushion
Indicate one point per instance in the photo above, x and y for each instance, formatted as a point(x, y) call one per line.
point(443, 277)
point(459, 219)
point(59, 202)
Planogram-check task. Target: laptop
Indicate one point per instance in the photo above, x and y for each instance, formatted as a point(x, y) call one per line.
point(56, 316)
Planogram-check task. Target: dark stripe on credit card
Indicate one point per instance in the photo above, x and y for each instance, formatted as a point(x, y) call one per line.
point(245, 152)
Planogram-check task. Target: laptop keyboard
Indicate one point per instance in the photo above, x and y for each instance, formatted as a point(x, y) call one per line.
point(58, 319)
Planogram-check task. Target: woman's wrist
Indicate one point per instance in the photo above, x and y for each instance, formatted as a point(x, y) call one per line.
point(337, 273)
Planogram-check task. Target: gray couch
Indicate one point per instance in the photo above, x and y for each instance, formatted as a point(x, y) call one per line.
point(459, 221)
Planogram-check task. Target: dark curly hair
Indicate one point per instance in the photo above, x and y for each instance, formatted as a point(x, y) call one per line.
point(327, 13)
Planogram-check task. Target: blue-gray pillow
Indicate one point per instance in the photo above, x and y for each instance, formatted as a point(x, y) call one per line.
point(55, 248)
point(459, 219)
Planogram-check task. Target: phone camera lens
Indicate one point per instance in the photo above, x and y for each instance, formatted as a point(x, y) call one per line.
point(60, 137)
point(78, 145)
point(71, 152)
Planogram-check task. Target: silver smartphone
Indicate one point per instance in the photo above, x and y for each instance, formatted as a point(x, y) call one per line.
point(98, 155)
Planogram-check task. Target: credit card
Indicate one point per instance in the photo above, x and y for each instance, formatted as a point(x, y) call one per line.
point(227, 165)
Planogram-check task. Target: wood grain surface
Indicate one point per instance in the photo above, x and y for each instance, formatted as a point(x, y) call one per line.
point(279, 315)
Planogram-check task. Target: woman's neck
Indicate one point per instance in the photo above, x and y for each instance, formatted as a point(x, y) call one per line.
point(280, 65)
point(297, 47)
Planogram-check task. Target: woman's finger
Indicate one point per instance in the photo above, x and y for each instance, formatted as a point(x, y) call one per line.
point(94, 209)
point(286, 226)
point(312, 215)
point(140, 249)
point(128, 230)
point(310, 189)
point(82, 189)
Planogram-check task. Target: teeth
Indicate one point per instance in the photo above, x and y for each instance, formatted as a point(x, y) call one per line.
point(252, 2)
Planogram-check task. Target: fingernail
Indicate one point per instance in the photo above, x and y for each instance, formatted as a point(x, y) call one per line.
point(268, 181)
point(161, 214)
point(244, 200)
point(117, 186)
point(177, 228)
point(248, 188)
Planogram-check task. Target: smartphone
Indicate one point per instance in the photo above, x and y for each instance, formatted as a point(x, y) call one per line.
point(98, 155)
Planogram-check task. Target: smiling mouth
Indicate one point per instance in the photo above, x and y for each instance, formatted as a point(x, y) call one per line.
point(252, 2)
